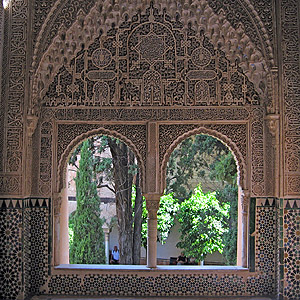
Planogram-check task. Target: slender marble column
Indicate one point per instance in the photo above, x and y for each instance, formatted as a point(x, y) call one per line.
point(106, 232)
point(152, 204)
point(64, 229)
point(245, 224)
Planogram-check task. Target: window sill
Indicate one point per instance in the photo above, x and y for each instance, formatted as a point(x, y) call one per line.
point(138, 269)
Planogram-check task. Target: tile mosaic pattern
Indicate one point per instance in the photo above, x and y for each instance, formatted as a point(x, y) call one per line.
point(266, 246)
point(161, 285)
point(10, 250)
point(23, 246)
point(262, 283)
point(32, 215)
point(35, 248)
point(291, 242)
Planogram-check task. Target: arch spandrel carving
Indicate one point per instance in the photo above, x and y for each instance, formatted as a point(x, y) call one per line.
point(178, 133)
point(71, 135)
point(233, 42)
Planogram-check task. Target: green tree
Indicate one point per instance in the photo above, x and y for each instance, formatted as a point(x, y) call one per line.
point(119, 172)
point(166, 214)
point(229, 195)
point(196, 157)
point(87, 246)
point(202, 158)
point(203, 221)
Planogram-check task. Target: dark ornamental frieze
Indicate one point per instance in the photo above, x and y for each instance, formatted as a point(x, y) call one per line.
point(150, 61)
point(146, 114)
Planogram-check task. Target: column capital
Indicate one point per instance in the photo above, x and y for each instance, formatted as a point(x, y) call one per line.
point(152, 203)
point(245, 197)
point(57, 200)
point(32, 121)
point(273, 124)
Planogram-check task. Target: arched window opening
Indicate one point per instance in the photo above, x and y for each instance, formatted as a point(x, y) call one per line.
point(199, 212)
point(104, 204)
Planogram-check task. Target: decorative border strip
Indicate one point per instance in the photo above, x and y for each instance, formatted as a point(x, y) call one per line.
point(23, 203)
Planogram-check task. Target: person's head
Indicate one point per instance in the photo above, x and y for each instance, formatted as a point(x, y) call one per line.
point(115, 248)
point(182, 254)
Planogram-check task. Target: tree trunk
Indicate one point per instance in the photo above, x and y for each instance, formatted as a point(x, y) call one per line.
point(122, 159)
point(138, 209)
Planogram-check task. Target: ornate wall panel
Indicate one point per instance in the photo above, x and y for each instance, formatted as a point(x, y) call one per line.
point(257, 152)
point(291, 76)
point(24, 238)
point(1, 88)
point(165, 284)
point(51, 15)
point(243, 12)
point(265, 10)
point(10, 184)
point(45, 157)
point(62, 14)
point(15, 92)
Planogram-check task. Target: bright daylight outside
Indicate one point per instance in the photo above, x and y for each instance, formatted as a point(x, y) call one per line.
point(197, 216)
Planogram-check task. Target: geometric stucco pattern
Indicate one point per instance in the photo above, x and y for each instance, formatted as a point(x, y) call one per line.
point(150, 61)
point(110, 46)
point(147, 114)
point(291, 85)
point(257, 152)
point(64, 15)
point(45, 170)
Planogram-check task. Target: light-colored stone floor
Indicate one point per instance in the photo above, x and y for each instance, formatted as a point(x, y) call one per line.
point(143, 298)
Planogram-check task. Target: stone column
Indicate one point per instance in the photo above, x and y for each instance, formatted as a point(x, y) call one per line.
point(57, 199)
point(244, 197)
point(106, 233)
point(152, 205)
point(64, 228)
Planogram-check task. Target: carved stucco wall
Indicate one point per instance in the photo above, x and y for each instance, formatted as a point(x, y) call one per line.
point(243, 30)
point(209, 16)
point(115, 65)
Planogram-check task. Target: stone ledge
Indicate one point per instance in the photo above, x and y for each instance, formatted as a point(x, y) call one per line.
point(139, 269)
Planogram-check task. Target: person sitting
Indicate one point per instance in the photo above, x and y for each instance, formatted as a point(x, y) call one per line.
point(115, 256)
point(181, 259)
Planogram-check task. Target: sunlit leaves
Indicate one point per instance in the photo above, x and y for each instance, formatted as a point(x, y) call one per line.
point(203, 221)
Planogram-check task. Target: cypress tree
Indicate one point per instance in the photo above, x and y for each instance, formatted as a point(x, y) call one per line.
point(88, 239)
